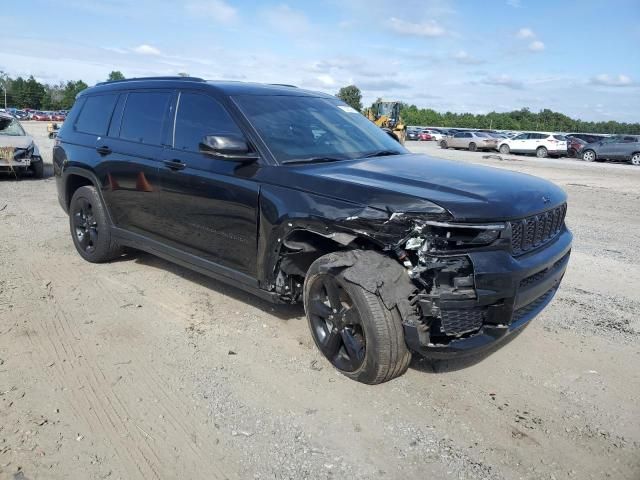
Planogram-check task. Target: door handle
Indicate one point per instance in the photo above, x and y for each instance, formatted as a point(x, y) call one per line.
point(174, 164)
point(103, 150)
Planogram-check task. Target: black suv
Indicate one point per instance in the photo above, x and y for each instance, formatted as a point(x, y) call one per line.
point(296, 197)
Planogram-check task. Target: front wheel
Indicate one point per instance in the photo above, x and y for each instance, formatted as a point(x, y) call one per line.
point(541, 152)
point(443, 144)
point(589, 156)
point(37, 167)
point(352, 327)
point(504, 149)
point(635, 159)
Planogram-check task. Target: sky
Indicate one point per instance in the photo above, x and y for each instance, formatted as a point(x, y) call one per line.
point(579, 57)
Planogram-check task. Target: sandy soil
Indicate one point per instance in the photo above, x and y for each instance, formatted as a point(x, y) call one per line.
point(141, 369)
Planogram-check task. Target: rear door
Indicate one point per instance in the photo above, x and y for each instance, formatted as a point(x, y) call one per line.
point(609, 148)
point(210, 205)
point(132, 152)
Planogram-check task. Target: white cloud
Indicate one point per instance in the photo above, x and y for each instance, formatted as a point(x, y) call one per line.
point(287, 20)
point(464, 58)
point(218, 10)
point(430, 28)
point(612, 80)
point(503, 81)
point(145, 49)
point(525, 33)
point(536, 46)
point(514, 3)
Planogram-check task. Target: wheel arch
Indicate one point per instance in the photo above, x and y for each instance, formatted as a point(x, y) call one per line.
point(76, 177)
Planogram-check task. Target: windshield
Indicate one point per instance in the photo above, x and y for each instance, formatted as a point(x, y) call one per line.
point(299, 128)
point(11, 127)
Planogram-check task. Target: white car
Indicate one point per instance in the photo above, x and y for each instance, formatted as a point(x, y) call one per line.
point(543, 144)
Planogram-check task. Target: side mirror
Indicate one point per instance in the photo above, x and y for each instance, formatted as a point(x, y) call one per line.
point(228, 147)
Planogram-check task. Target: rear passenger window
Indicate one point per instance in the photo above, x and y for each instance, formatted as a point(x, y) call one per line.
point(198, 116)
point(560, 138)
point(143, 117)
point(95, 114)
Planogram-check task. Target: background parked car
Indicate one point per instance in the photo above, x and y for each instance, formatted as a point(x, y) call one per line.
point(470, 140)
point(413, 132)
point(435, 133)
point(58, 117)
point(624, 148)
point(41, 116)
point(575, 146)
point(542, 144)
point(424, 136)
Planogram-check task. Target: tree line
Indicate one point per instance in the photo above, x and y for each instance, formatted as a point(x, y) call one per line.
point(30, 93)
point(521, 120)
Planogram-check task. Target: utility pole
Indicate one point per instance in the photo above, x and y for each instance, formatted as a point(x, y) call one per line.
point(4, 87)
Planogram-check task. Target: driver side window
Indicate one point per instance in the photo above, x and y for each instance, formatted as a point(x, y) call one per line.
point(200, 115)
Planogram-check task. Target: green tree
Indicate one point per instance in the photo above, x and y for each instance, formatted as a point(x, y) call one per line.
point(70, 91)
point(352, 96)
point(115, 75)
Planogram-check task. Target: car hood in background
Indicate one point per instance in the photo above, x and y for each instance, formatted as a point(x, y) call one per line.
point(15, 141)
point(406, 183)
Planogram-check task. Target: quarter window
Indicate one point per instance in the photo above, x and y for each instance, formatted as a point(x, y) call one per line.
point(199, 116)
point(143, 117)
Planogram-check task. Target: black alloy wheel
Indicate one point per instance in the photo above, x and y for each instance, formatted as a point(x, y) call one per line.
point(336, 324)
point(85, 225)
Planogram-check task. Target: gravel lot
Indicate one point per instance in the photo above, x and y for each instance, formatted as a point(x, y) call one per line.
point(142, 369)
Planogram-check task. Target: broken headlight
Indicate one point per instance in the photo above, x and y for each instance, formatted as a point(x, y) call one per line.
point(434, 236)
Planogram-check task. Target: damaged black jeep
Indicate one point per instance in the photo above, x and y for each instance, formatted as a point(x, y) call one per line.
point(296, 197)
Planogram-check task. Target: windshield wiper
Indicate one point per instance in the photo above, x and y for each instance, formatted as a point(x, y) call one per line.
point(381, 153)
point(313, 160)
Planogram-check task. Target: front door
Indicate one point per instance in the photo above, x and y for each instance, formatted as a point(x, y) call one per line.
point(209, 205)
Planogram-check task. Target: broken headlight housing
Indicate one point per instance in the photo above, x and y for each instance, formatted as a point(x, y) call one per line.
point(432, 236)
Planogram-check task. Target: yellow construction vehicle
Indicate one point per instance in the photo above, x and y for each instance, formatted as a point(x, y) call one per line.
point(386, 115)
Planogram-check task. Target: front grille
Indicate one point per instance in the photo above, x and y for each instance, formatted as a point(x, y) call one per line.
point(536, 305)
point(531, 232)
point(459, 322)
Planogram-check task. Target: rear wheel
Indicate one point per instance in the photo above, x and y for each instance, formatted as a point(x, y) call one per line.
point(473, 147)
point(443, 144)
point(635, 159)
point(504, 149)
point(90, 227)
point(542, 152)
point(589, 156)
point(352, 327)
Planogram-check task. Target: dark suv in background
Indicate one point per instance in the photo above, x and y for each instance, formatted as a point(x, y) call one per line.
point(296, 197)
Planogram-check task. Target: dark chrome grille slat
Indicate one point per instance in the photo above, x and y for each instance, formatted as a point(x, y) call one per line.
point(536, 230)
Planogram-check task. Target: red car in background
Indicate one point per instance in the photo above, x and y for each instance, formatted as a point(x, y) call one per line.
point(424, 137)
point(41, 116)
point(58, 117)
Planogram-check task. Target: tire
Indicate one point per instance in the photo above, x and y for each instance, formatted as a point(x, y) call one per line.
point(443, 144)
point(589, 156)
point(504, 149)
point(473, 147)
point(90, 227)
point(542, 152)
point(366, 341)
point(635, 159)
point(37, 167)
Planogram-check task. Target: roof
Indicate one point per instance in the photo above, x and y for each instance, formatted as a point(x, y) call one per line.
point(221, 86)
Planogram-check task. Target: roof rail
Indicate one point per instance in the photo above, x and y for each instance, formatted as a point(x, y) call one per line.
point(176, 77)
point(283, 85)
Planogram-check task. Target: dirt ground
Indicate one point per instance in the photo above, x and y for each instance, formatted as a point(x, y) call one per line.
point(140, 369)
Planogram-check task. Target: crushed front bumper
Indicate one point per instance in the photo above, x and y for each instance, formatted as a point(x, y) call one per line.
point(510, 291)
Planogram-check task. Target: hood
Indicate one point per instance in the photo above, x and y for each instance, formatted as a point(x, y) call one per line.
point(402, 183)
point(15, 141)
